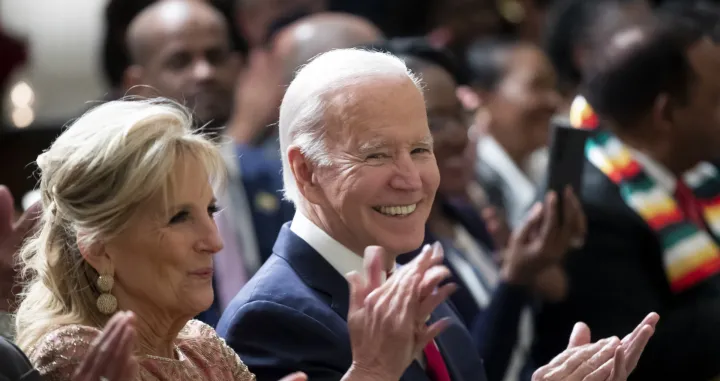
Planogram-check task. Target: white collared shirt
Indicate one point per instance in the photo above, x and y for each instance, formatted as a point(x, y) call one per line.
point(520, 190)
point(342, 259)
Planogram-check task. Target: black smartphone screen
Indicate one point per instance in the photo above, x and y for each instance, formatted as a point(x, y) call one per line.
point(566, 160)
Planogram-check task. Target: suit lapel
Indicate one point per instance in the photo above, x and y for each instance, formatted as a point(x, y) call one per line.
point(313, 269)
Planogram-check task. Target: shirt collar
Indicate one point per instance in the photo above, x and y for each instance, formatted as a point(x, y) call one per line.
point(342, 259)
point(656, 171)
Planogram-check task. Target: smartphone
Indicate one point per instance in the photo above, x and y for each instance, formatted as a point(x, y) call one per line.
point(566, 159)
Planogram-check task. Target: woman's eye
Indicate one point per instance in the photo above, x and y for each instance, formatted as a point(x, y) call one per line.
point(179, 217)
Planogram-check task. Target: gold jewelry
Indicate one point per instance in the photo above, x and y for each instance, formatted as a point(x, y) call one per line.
point(106, 302)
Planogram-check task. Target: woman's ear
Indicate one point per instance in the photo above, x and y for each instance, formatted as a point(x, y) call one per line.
point(94, 254)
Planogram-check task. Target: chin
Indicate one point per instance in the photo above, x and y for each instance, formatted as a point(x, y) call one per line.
point(200, 300)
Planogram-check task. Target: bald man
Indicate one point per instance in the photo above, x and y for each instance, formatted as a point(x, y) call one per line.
point(255, 17)
point(291, 47)
point(181, 50)
point(304, 39)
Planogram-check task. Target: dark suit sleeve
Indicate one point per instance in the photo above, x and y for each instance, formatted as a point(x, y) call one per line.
point(14, 365)
point(495, 329)
point(274, 340)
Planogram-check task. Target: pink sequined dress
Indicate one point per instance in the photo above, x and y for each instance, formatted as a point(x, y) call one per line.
point(200, 355)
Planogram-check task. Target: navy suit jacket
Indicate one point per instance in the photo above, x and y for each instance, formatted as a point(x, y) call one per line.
point(292, 316)
point(260, 172)
point(494, 329)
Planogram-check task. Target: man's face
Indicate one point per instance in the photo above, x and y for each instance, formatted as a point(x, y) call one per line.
point(382, 181)
point(195, 66)
point(698, 122)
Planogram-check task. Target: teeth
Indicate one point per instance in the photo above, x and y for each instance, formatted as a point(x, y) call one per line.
point(397, 210)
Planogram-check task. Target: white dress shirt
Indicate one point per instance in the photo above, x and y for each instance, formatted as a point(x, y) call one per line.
point(521, 183)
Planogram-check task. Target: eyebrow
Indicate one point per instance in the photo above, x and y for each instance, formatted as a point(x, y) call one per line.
point(179, 207)
point(379, 143)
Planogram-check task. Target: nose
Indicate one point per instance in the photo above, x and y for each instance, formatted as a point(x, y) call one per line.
point(407, 174)
point(203, 70)
point(210, 241)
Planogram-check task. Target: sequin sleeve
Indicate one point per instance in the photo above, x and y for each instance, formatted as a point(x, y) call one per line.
point(58, 354)
point(201, 337)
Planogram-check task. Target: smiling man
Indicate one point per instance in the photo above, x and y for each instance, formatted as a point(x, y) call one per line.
point(358, 163)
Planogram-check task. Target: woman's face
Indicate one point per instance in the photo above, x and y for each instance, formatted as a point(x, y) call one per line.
point(163, 262)
point(449, 129)
point(524, 100)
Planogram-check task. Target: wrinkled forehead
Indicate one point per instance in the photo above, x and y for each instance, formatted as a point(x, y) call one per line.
point(386, 111)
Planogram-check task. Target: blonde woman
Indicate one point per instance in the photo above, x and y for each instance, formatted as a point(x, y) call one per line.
point(128, 197)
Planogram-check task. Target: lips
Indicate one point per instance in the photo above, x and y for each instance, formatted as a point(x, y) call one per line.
point(204, 272)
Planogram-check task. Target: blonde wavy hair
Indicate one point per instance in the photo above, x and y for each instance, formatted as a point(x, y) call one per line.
point(92, 180)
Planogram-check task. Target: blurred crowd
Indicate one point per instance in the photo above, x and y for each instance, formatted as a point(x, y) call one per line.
point(303, 115)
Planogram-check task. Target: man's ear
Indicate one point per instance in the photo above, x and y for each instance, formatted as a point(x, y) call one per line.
point(95, 255)
point(133, 82)
point(662, 113)
point(304, 173)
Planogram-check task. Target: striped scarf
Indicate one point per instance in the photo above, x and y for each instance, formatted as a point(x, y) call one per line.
point(690, 254)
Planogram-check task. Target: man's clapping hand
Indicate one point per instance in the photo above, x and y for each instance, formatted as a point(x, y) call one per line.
point(387, 320)
point(606, 360)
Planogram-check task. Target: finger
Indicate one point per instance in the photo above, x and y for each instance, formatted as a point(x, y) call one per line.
point(373, 262)
point(651, 319)
point(533, 219)
point(7, 210)
point(619, 372)
point(120, 354)
point(433, 331)
point(580, 335)
point(432, 279)
point(583, 354)
point(632, 353)
point(596, 361)
point(429, 304)
point(550, 218)
point(130, 371)
point(92, 357)
point(602, 373)
point(579, 218)
point(565, 355)
point(567, 230)
point(299, 376)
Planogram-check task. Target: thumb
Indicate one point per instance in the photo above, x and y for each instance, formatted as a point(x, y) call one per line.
point(299, 376)
point(580, 335)
point(373, 260)
point(357, 291)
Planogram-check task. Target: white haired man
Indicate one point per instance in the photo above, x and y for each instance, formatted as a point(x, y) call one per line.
point(359, 166)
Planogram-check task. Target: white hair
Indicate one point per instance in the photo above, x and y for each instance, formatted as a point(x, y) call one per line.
point(307, 98)
point(94, 177)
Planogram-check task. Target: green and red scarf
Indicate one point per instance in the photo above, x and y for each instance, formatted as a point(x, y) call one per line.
point(690, 254)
